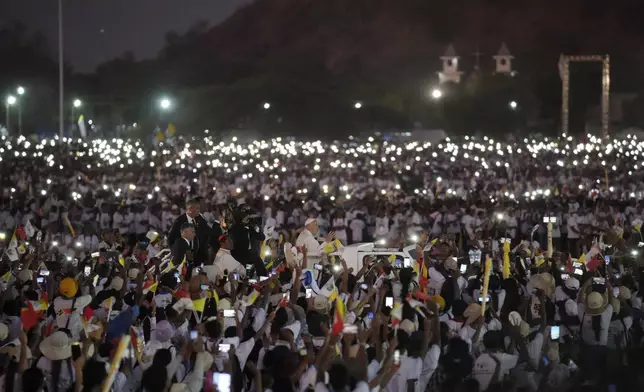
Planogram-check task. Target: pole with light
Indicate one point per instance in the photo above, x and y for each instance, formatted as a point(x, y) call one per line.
point(61, 95)
point(21, 91)
point(10, 101)
point(77, 103)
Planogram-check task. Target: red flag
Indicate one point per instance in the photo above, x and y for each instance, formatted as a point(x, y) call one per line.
point(594, 263)
point(20, 233)
point(569, 266)
point(88, 313)
point(29, 316)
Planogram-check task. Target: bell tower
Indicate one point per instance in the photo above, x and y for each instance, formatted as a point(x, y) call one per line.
point(450, 72)
point(504, 61)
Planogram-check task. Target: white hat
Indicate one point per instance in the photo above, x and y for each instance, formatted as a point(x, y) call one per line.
point(571, 308)
point(309, 221)
point(56, 346)
point(572, 283)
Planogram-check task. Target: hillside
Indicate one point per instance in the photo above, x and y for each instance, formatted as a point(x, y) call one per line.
point(405, 37)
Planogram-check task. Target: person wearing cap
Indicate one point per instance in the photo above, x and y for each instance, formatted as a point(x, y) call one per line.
point(307, 238)
point(201, 229)
point(68, 307)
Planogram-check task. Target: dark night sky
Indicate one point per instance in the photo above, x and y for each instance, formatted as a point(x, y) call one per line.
point(136, 25)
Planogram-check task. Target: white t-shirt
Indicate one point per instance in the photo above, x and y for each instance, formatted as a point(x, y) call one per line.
point(485, 366)
point(587, 332)
point(573, 223)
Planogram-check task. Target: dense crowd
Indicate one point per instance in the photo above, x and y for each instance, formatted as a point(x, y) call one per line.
point(225, 266)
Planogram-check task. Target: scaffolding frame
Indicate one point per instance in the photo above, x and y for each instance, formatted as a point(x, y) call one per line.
point(564, 68)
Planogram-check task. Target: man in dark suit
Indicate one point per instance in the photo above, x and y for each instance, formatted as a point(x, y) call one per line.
point(246, 237)
point(201, 229)
point(185, 245)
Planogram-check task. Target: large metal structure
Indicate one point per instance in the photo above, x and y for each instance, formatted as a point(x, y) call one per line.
point(564, 68)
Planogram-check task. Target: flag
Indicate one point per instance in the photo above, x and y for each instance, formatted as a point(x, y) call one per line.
point(486, 283)
point(81, 126)
point(569, 267)
point(582, 258)
point(122, 260)
point(150, 285)
point(506, 259)
point(252, 297)
point(28, 316)
point(594, 263)
point(69, 224)
point(171, 130)
point(199, 304)
point(29, 229)
point(12, 254)
point(338, 323)
point(13, 244)
point(7, 276)
point(20, 233)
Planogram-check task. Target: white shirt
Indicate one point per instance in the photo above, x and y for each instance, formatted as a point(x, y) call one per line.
point(587, 332)
point(485, 366)
point(313, 247)
point(224, 261)
point(357, 226)
point(62, 308)
point(573, 222)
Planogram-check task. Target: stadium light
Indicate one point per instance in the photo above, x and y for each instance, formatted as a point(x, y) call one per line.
point(357, 105)
point(267, 105)
point(20, 90)
point(11, 100)
point(77, 103)
point(513, 105)
point(437, 93)
point(165, 103)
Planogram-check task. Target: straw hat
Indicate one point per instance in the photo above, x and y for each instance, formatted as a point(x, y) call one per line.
point(595, 303)
point(57, 346)
point(624, 293)
point(544, 282)
point(472, 312)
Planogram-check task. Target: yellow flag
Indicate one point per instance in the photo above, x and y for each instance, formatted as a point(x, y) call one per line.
point(506, 259)
point(216, 297)
point(152, 288)
point(122, 260)
point(171, 129)
point(199, 304)
point(582, 258)
point(7, 276)
point(486, 283)
point(160, 136)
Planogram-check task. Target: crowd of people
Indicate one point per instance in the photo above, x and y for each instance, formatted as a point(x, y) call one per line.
point(221, 266)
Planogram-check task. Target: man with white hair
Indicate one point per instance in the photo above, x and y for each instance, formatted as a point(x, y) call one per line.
point(313, 246)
